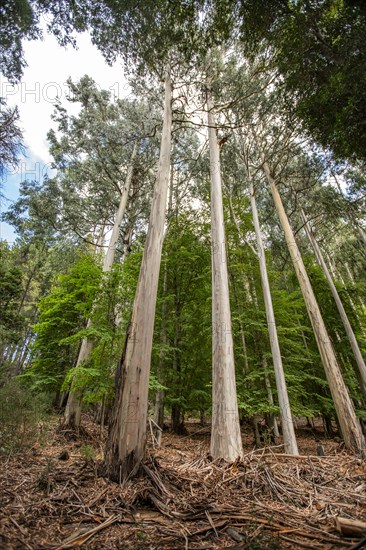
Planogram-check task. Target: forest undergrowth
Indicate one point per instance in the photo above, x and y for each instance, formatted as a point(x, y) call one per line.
point(52, 496)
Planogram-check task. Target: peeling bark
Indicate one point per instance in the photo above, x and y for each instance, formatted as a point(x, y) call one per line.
point(225, 434)
point(126, 441)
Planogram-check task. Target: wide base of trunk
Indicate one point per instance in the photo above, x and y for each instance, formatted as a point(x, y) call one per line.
point(120, 471)
point(72, 416)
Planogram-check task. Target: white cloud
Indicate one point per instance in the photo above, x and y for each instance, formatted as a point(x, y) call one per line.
point(45, 77)
point(49, 67)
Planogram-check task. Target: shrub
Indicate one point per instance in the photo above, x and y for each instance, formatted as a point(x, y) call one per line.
point(22, 417)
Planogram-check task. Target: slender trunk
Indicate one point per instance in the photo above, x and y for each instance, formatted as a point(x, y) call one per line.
point(283, 399)
point(241, 328)
point(347, 325)
point(352, 279)
point(73, 407)
point(271, 402)
point(160, 394)
point(350, 426)
point(225, 435)
point(36, 266)
point(23, 350)
point(126, 442)
point(111, 252)
point(10, 353)
point(176, 419)
point(177, 412)
point(74, 403)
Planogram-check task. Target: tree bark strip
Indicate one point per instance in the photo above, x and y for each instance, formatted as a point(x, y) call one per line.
point(342, 312)
point(349, 424)
point(225, 435)
point(125, 446)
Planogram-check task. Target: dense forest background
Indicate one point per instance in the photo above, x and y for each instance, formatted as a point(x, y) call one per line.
point(209, 226)
point(183, 310)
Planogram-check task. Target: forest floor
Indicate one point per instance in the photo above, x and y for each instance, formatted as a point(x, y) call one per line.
point(52, 497)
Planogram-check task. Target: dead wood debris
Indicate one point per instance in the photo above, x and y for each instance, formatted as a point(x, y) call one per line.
point(183, 500)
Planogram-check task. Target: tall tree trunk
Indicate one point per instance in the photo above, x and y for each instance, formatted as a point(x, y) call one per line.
point(352, 279)
point(347, 325)
point(225, 434)
point(270, 399)
point(127, 432)
point(160, 394)
point(111, 252)
point(74, 403)
point(177, 412)
point(350, 426)
point(73, 407)
point(288, 431)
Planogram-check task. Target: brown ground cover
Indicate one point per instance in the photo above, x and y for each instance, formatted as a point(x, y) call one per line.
point(52, 497)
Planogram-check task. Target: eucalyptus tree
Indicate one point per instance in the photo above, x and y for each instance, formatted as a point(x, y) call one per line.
point(92, 157)
point(250, 83)
point(225, 433)
point(126, 441)
point(149, 36)
point(11, 137)
point(350, 427)
point(74, 402)
point(326, 224)
point(342, 312)
point(182, 188)
point(275, 142)
point(285, 409)
point(91, 153)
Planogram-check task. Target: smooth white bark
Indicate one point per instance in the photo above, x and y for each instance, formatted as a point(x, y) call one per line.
point(267, 381)
point(111, 251)
point(127, 434)
point(225, 434)
point(342, 312)
point(348, 422)
point(288, 431)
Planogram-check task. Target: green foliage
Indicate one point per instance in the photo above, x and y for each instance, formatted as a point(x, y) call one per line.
point(11, 288)
point(20, 20)
point(336, 328)
point(186, 355)
point(319, 49)
point(23, 417)
point(61, 314)
point(91, 152)
point(87, 453)
point(11, 137)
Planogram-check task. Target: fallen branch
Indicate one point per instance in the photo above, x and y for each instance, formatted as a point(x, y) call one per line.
point(78, 539)
point(351, 527)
